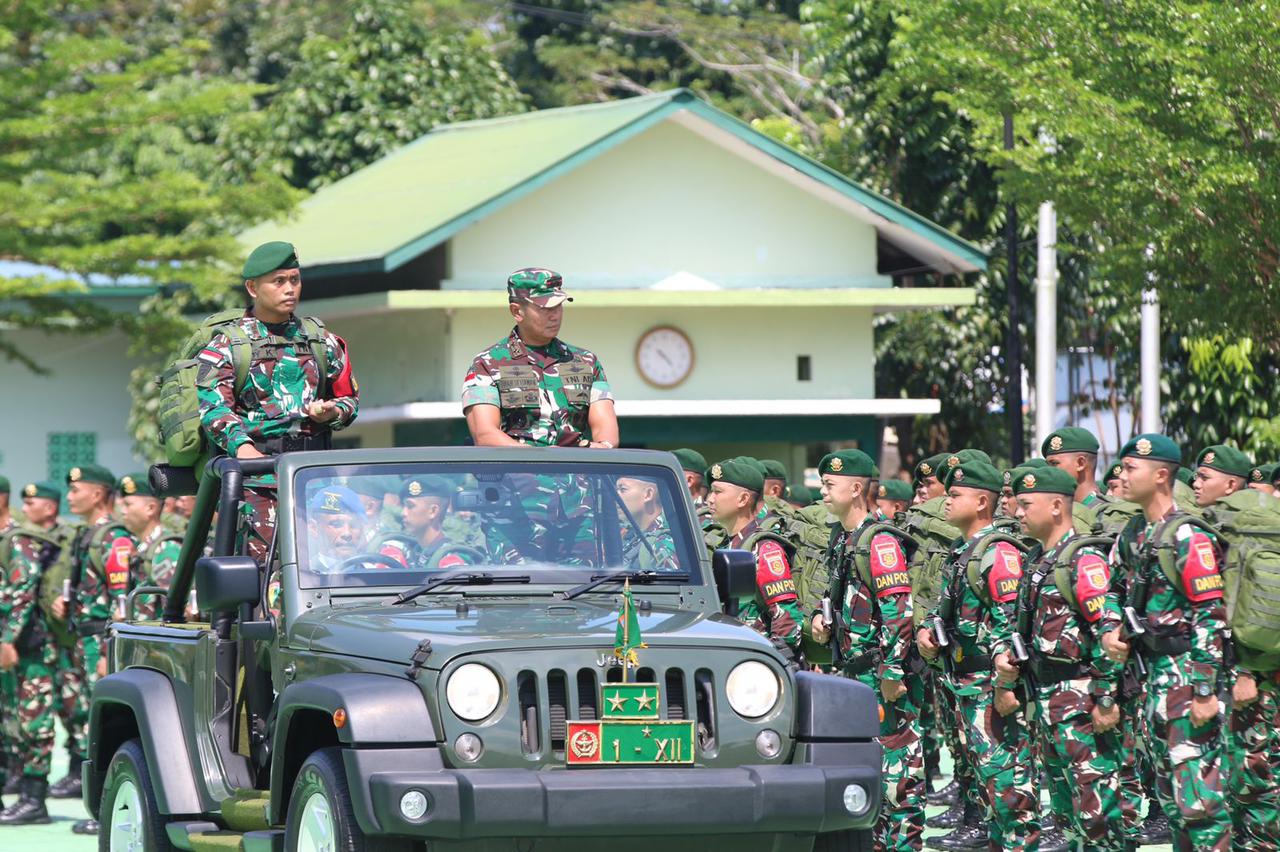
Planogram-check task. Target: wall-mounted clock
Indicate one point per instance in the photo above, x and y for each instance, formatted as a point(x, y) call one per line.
point(664, 356)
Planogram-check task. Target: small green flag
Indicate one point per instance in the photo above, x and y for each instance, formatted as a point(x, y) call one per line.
point(627, 638)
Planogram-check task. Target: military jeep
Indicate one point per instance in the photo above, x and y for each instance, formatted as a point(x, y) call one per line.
point(539, 659)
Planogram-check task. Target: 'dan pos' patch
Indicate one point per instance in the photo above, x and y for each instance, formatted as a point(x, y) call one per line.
point(1093, 579)
point(773, 573)
point(1201, 579)
point(888, 566)
point(117, 565)
point(1006, 571)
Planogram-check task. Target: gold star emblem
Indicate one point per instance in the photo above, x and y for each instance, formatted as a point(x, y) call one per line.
point(415, 488)
point(74, 474)
point(646, 701)
point(1055, 443)
point(716, 471)
point(1029, 481)
point(837, 464)
point(30, 490)
point(616, 702)
point(925, 469)
point(1144, 447)
point(647, 731)
point(128, 486)
point(1208, 458)
point(952, 461)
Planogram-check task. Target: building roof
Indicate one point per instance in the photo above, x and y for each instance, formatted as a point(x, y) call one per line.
point(394, 210)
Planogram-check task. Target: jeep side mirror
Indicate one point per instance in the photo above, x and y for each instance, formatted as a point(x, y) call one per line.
point(735, 576)
point(225, 582)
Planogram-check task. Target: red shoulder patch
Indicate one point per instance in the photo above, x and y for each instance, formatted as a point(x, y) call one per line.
point(773, 573)
point(1201, 579)
point(395, 551)
point(345, 383)
point(117, 563)
point(452, 560)
point(1093, 579)
point(888, 566)
point(1006, 572)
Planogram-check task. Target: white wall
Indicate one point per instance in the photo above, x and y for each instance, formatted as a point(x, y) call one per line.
point(665, 201)
point(398, 357)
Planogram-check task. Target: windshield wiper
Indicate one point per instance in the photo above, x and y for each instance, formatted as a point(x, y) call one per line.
point(633, 576)
point(463, 578)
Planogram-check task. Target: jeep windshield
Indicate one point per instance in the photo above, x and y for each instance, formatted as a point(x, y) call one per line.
point(383, 525)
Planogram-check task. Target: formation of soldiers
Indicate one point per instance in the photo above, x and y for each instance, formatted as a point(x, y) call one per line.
point(1048, 629)
point(1116, 642)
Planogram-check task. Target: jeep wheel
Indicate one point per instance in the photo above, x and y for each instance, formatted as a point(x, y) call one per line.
point(320, 816)
point(849, 840)
point(131, 822)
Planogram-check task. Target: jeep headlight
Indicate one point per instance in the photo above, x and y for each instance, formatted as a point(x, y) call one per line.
point(752, 689)
point(473, 692)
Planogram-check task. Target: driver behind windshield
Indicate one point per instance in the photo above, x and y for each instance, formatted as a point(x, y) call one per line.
point(653, 549)
point(335, 525)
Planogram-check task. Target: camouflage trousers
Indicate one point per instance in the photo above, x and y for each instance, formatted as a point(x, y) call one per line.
point(1084, 775)
point(76, 682)
point(929, 728)
point(947, 719)
point(901, 827)
point(260, 513)
point(1189, 762)
point(28, 692)
point(1137, 784)
point(999, 750)
point(1254, 758)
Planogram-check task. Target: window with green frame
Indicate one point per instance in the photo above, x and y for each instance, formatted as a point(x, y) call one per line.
point(70, 449)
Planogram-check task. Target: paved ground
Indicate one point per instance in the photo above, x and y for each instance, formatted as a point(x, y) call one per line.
point(57, 836)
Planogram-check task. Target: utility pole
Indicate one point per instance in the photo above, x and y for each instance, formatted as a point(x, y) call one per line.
point(1150, 352)
point(1046, 321)
point(1012, 341)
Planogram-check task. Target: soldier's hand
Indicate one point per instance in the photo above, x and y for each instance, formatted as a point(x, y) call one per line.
point(1245, 691)
point(892, 690)
point(820, 630)
point(323, 411)
point(248, 451)
point(1006, 701)
point(1117, 650)
point(1006, 668)
point(102, 667)
point(1204, 710)
point(60, 609)
point(8, 656)
point(1105, 720)
point(924, 641)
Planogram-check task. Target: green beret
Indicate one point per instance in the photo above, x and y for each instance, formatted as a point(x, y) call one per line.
point(95, 473)
point(1226, 459)
point(1047, 480)
point(895, 489)
point(371, 486)
point(756, 463)
point(974, 474)
point(971, 454)
point(1069, 439)
point(691, 460)
point(875, 471)
point(269, 257)
point(1185, 476)
point(1152, 446)
point(4, 485)
point(774, 469)
point(846, 463)
point(1035, 463)
point(1113, 472)
point(929, 466)
point(426, 486)
point(135, 485)
point(801, 495)
point(1275, 475)
point(739, 471)
point(1262, 472)
point(43, 491)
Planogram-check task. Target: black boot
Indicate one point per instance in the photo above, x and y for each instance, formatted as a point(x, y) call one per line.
point(30, 809)
point(85, 826)
point(13, 779)
point(1052, 838)
point(947, 795)
point(972, 833)
point(1154, 830)
point(950, 818)
point(68, 787)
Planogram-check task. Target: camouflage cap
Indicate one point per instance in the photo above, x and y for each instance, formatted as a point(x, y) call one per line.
point(1151, 445)
point(1069, 439)
point(269, 257)
point(541, 287)
point(94, 473)
point(974, 474)
point(691, 460)
point(135, 485)
point(846, 463)
point(1045, 480)
point(1225, 459)
point(895, 489)
point(774, 469)
point(740, 471)
point(336, 500)
point(43, 491)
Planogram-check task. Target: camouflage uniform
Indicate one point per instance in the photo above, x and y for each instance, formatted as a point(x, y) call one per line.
point(659, 555)
point(1184, 650)
point(549, 519)
point(1067, 672)
point(773, 611)
point(874, 636)
point(154, 563)
point(27, 690)
point(543, 392)
point(998, 748)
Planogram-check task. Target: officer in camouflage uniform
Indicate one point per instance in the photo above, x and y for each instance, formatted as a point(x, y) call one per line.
point(694, 465)
point(773, 611)
point(533, 388)
point(157, 555)
point(425, 545)
point(976, 614)
point(872, 638)
point(893, 497)
point(1183, 645)
point(10, 764)
point(1075, 450)
point(653, 548)
point(1071, 683)
point(1111, 480)
point(285, 404)
point(1253, 745)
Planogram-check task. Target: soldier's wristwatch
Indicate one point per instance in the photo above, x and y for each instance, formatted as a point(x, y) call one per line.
point(1106, 702)
point(1203, 690)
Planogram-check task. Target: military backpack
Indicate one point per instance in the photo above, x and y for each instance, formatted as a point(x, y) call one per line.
point(1249, 522)
point(934, 538)
point(179, 414)
point(57, 558)
point(808, 542)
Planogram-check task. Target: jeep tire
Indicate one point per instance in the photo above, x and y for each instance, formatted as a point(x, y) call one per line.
point(129, 816)
point(320, 807)
point(849, 840)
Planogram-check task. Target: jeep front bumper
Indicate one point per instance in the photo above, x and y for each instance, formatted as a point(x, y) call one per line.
point(803, 798)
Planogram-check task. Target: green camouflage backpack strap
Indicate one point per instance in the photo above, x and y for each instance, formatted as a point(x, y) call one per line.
point(862, 552)
point(1065, 579)
point(1005, 573)
point(315, 331)
point(1165, 542)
